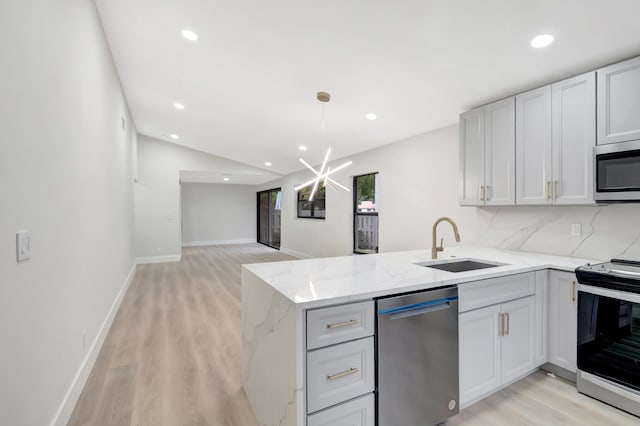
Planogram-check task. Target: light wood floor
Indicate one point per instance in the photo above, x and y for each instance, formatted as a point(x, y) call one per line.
point(173, 357)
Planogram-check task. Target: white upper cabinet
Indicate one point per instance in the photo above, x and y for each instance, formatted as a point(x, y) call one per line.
point(574, 136)
point(533, 147)
point(619, 102)
point(487, 149)
point(499, 153)
point(471, 157)
point(555, 136)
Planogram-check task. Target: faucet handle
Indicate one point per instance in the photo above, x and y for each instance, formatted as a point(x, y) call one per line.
point(441, 248)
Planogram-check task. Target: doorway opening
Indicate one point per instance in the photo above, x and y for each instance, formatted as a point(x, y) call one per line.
point(269, 217)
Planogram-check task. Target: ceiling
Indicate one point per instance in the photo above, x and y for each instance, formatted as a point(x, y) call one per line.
point(249, 82)
point(194, 176)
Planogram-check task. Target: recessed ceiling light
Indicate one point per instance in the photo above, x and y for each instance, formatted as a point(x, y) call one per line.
point(174, 136)
point(226, 179)
point(178, 106)
point(371, 116)
point(267, 163)
point(302, 148)
point(189, 35)
point(543, 40)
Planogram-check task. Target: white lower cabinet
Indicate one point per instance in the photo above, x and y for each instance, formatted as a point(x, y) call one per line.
point(358, 412)
point(479, 352)
point(497, 345)
point(340, 372)
point(518, 352)
point(563, 319)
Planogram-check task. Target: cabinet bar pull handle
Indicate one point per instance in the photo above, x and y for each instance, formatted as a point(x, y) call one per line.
point(501, 325)
point(343, 324)
point(481, 192)
point(573, 291)
point(507, 315)
point(486, 194)
point(555, 189)
point(546, 190)
point(348, 372)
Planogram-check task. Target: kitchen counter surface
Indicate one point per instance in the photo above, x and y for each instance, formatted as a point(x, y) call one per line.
point(324, 281)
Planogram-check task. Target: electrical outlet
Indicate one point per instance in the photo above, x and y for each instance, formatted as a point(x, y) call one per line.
point(23, 246)
point(576, 229)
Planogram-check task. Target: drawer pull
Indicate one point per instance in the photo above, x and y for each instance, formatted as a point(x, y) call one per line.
point(343, 324)
point(348, 372)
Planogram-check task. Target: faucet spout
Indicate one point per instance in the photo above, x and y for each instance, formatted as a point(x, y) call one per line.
point(434, 247)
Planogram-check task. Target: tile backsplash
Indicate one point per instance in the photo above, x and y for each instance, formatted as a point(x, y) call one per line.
point(608, 231)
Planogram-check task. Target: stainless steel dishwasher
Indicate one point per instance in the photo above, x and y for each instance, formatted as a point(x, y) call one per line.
point(417, 363)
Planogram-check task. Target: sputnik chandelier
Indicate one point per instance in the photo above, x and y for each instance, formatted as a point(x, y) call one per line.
point(323, 174)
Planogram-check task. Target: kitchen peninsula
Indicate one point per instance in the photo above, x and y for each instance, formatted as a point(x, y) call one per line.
point(297, 316)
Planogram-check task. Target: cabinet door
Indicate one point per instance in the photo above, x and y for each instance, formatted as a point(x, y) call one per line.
point(563, 319)
point(619, 102)
point(471, 157)
point(533, 147)
point(499, 153)
point(479, 353)
point(574, 136)
point(357, 412)
point(518, 341)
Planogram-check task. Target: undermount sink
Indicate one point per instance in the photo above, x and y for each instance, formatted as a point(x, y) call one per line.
point(462, 265)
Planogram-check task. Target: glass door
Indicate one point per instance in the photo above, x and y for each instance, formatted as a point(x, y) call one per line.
point(269, 217)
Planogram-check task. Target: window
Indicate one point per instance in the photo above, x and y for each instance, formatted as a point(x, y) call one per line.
point(365, 214)
point(269, 217)
point(311, 209)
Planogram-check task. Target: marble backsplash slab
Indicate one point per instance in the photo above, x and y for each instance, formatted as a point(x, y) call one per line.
point(608, 231)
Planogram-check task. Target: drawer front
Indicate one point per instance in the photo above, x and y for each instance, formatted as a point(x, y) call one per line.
point(357, 412)
point(479, 294)
point(339, 373)
point(338, 324)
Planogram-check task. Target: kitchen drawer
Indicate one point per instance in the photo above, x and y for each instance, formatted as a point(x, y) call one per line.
point(357, 412)
point(478, 294)
point(339, 373)
point(337, 324)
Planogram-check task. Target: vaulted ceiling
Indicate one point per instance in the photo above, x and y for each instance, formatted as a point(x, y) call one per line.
point(249, 83)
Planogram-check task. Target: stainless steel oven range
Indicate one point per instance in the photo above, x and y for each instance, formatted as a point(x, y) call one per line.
point(609, 333)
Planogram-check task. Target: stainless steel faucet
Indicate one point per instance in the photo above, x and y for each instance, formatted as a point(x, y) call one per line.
point(435, 249)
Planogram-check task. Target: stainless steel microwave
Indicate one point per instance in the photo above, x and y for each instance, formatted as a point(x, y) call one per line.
point(617, 172)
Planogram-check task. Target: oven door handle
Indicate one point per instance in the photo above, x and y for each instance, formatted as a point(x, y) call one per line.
point(614, 294)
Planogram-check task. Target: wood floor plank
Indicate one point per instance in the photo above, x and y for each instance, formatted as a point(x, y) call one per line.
point(173, 357)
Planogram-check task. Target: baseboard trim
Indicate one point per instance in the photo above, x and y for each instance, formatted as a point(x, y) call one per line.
point(218, 242)
point(158, 259)
point(70, 399)
point(295, 253)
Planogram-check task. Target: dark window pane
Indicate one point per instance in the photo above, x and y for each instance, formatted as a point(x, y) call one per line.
point(311, 209)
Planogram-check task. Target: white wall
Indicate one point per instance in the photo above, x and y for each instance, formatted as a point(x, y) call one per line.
point(218, 214)
point(157, 194)
point(419, 182)
point(66, 176)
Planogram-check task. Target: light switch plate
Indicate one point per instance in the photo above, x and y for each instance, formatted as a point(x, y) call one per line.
point(576, 229)
point(23, 246)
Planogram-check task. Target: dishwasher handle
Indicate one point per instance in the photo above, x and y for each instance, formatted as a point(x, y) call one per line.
point(418, 308)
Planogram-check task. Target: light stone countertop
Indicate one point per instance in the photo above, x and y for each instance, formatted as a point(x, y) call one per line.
point(326, 281)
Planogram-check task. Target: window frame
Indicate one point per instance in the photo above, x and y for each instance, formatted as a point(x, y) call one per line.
point(313, 203)
point(356, 213)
